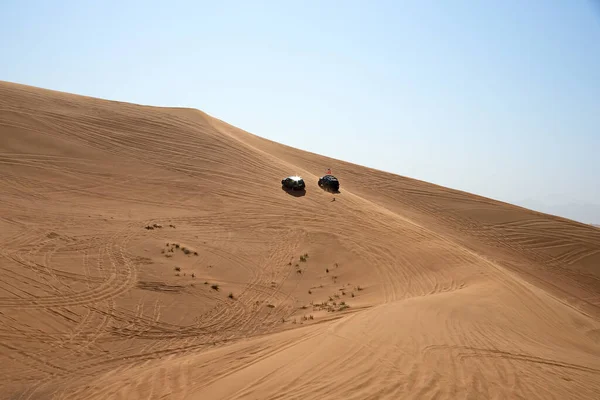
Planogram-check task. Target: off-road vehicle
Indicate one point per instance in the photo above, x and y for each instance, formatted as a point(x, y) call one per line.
point(293, 183)
point(329, 182)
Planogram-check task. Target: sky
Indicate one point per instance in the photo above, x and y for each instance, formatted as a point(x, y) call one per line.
point(496, 98)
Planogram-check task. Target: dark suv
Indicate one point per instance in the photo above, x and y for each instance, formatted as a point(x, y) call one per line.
point(294, 183)
point(329, 182)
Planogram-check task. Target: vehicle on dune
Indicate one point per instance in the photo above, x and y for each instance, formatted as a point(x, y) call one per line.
point(330, 183)
point(294, 183)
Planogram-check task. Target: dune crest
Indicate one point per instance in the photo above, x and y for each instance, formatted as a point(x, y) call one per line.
point(150, 253)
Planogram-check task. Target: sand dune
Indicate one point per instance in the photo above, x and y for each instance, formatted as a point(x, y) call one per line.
point(150, 253)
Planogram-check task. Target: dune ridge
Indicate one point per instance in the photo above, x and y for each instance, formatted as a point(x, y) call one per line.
point(150, 252)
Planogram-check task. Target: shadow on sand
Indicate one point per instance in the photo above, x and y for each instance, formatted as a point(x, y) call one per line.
point(328, 190)
point(295, 193)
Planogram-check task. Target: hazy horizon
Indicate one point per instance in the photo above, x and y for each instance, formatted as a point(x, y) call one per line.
point(494, 99)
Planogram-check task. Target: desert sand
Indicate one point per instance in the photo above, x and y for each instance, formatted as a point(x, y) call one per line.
point(151, 253)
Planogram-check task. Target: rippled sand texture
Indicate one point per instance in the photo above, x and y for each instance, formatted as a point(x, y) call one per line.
point(124, 229)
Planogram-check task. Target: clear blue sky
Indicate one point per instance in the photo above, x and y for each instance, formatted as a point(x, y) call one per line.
point(499, 98)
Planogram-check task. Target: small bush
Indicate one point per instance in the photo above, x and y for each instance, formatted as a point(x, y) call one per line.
point(230, 295)
point(195, 253)
point(215, 287)
point(327, 270)
point(177, 268)
point(177, 245)
point(310, 292)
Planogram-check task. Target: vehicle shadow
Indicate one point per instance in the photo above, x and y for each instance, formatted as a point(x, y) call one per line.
point(328, 190)
point(295, 193)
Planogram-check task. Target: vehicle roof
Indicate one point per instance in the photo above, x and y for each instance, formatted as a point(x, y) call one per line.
point(330, 177)
point(294, 178)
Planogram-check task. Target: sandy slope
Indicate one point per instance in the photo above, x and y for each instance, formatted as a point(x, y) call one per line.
point(410, 290)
